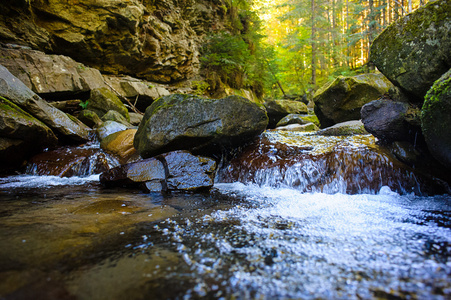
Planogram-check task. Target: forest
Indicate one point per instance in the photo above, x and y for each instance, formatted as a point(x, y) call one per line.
point(292, 47)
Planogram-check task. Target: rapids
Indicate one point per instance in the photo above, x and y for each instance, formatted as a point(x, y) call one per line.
point(293, 217)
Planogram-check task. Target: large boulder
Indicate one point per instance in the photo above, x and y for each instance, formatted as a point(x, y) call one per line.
point(206, 126)
point(278, 109)
point(391, 120)
point(103, 100)
point(21, 135)
point(50, 75)
point(17, 92)
point(436, 121)
point(413, 52)
point(342, 99)
point(156, 40)
point(174, 171)
point(140, 92)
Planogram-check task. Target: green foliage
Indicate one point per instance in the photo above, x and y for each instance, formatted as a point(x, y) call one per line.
point(84, 104)
point(200, 87)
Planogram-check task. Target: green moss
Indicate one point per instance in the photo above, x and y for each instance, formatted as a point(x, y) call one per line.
point(15, 111)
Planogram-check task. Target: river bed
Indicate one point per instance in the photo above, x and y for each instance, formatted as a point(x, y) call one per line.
point(71, 238)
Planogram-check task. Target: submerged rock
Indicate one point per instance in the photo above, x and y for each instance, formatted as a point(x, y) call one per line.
point(17, 92)
point(413, 52)
point(21, 135)
point(436, 121)
point(174, 171)
point(278, 109)
point(342, 99)
point(391, 120)
point(205, 126)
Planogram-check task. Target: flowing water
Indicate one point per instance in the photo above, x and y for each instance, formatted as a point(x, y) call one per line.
point(292, 217)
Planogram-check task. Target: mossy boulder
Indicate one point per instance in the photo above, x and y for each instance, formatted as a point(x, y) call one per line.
point(298, 119)
point(413, 52)
point(89, 118)
point(116, 116)
point(21, 135)
point(278, 109)
point(205, 126)
point(436, 121)
point(342, 99)
point(103, 100)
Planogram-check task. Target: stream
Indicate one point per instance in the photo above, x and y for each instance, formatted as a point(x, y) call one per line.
point(295, 216)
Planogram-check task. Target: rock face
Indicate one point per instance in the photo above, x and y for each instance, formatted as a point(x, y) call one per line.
point(156, 40)
point(21, 135)
point(206, 126)
point(14, 90)
point(414, 51)
point(174, 171)
point(277, 109)
point(341, 100)
point(50, 74)
point(435, 119)
point(391, 120)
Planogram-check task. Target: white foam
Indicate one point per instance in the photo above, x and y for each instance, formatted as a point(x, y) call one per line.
point(36, 181)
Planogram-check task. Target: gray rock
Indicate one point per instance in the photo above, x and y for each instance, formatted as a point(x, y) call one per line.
point(109, 127)
point(50, 74)
point(135, 118)
point(391, 121)
point(17, 92)
point(436, 121)
point(413, 52)
point(298, 119)
point(206, 126)
point(298, 127)
point(342, 99)
point(113, 115)
point(344, 128)
point(174, 171)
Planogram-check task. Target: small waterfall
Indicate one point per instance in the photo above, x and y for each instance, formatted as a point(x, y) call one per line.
point(328, 164)
point(81, 161)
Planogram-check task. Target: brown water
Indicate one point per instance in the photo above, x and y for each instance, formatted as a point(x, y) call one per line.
point(70, 238)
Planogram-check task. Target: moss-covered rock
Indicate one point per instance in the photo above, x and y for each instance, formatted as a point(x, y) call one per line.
point(90, 118)
point(103, 100)
point(342, 99)
point(436, 121)
point(206, 126)
point(278, 109)
point(21, 135)
point(298, 119)
point(413, 52)
point(113, 115)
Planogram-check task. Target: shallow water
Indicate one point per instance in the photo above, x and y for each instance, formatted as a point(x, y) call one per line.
point(70, 238)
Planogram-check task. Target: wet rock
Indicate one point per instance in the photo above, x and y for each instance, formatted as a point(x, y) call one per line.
point(205, 126)
point(298, 127)
point(90, 118)
point(50, 75)
point(68, 162)
point(113, 115)
point(391, 120)
point(298, 119)
point(120, 144)
point(406, 152)
point(435, 119)
point(277, 109)
point(413, 52)
point(103, 100)
point(14, 90)
point(141, 92)
point(174, 171)
point(344, 128)
point(21, 135)
point(342, 99)
point(109, 127)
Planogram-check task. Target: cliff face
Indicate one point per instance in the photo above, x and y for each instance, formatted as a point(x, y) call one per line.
point(151, 39)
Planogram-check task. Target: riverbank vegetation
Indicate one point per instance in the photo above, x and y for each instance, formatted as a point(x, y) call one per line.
point(286, 47)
